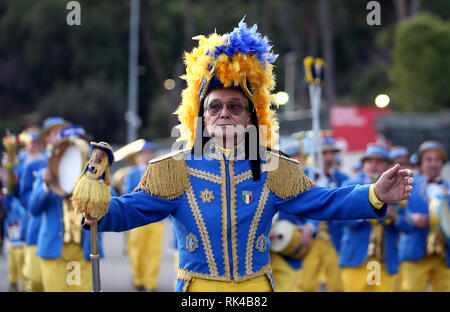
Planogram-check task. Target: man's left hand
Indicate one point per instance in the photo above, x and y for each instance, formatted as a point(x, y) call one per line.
point(394, 185)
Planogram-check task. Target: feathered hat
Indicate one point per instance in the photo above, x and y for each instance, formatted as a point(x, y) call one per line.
point(241, 59)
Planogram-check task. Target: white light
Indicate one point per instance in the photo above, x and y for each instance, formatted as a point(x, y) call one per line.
point(382, 100)
point(282, 97)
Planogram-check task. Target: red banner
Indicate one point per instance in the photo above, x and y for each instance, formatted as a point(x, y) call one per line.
point(354, 126)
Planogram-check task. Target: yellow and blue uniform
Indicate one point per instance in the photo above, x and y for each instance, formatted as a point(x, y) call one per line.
point(286, 270)
point(222, 217)
point(144, 243)
point(14, 216)
point(323, 254)
point(31, 270)
point(421, 262)
point(15, 227)
point(364, 241)
point(53, 247)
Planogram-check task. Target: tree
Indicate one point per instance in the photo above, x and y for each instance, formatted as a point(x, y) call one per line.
point(421, 66)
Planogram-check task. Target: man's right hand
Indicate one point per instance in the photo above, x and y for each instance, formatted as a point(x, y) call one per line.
point(420, 220)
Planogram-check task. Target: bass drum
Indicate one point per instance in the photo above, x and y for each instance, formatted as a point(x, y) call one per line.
point(287, 240)
point(66, 163)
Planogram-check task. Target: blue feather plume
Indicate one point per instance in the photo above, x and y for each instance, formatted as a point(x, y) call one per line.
point(246, 41)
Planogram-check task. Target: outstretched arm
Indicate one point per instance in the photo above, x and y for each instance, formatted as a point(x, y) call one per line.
point(134, 210)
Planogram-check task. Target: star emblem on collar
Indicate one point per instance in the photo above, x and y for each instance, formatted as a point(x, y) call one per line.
point(206, 196)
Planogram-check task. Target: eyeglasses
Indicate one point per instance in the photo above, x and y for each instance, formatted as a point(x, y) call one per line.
point(215, 107)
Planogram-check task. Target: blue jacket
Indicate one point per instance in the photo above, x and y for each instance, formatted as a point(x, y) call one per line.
point(50, 238)
point(413, 240)
point(30, 172)
point(222, 217)
point(355, 241)
point(336, 179)
point(14, 218)
point(133, 177)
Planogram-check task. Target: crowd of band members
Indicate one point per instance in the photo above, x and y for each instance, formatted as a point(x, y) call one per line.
point(406, 251)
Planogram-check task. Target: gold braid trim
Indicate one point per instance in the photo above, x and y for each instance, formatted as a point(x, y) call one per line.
point(187, 275)
point(195, 209)
point(285, 176)
point(223, 194)
point(254, 227)
point(244, 176)
point(233, 218)
point(205, 175)
point(166, 176)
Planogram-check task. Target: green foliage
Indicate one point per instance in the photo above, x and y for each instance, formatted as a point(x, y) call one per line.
point(81, 72)
point(421, 64)
point(370, 83)
point(95, 102)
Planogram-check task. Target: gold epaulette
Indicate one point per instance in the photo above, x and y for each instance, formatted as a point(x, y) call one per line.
point(285, 176)
point(166, 176)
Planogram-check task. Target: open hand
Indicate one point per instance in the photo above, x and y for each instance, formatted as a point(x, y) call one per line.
point(394, 184)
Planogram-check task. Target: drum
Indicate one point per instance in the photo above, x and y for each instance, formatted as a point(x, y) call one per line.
point(287, 240)
point(66, 163)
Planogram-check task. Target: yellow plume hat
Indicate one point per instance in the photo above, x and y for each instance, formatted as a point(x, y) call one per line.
point(241, 59)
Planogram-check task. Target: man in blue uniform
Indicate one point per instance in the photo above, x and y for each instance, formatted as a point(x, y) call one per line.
point(223, 193)
point(368, 254)
point(286, 268)
point(47, 137)
point(424, 251)
point(62, 246)
point(322, 259)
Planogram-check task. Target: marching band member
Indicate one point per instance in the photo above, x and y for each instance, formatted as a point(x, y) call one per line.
point(322, 257)
point(222, 193)
point(424, 251)
point(48, 136)
point(370, 246)
point(144, 243)
point(286, 268)
point(15, 221)
point(62, 245)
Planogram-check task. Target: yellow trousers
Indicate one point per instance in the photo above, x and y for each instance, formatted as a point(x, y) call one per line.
point(257, 284)
point(68, 273)
point(32, 270)
point(15, 264)
point(321, 260)
point(370, 277)
point(285, 277)
point(144, 253)
point(415, 275)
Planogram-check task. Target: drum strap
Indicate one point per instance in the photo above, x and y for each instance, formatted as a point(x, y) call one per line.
point(72, 223)
point(376, 241)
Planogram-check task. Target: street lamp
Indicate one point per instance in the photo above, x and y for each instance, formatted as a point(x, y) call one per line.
point(282, 98)
point(382, 100)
